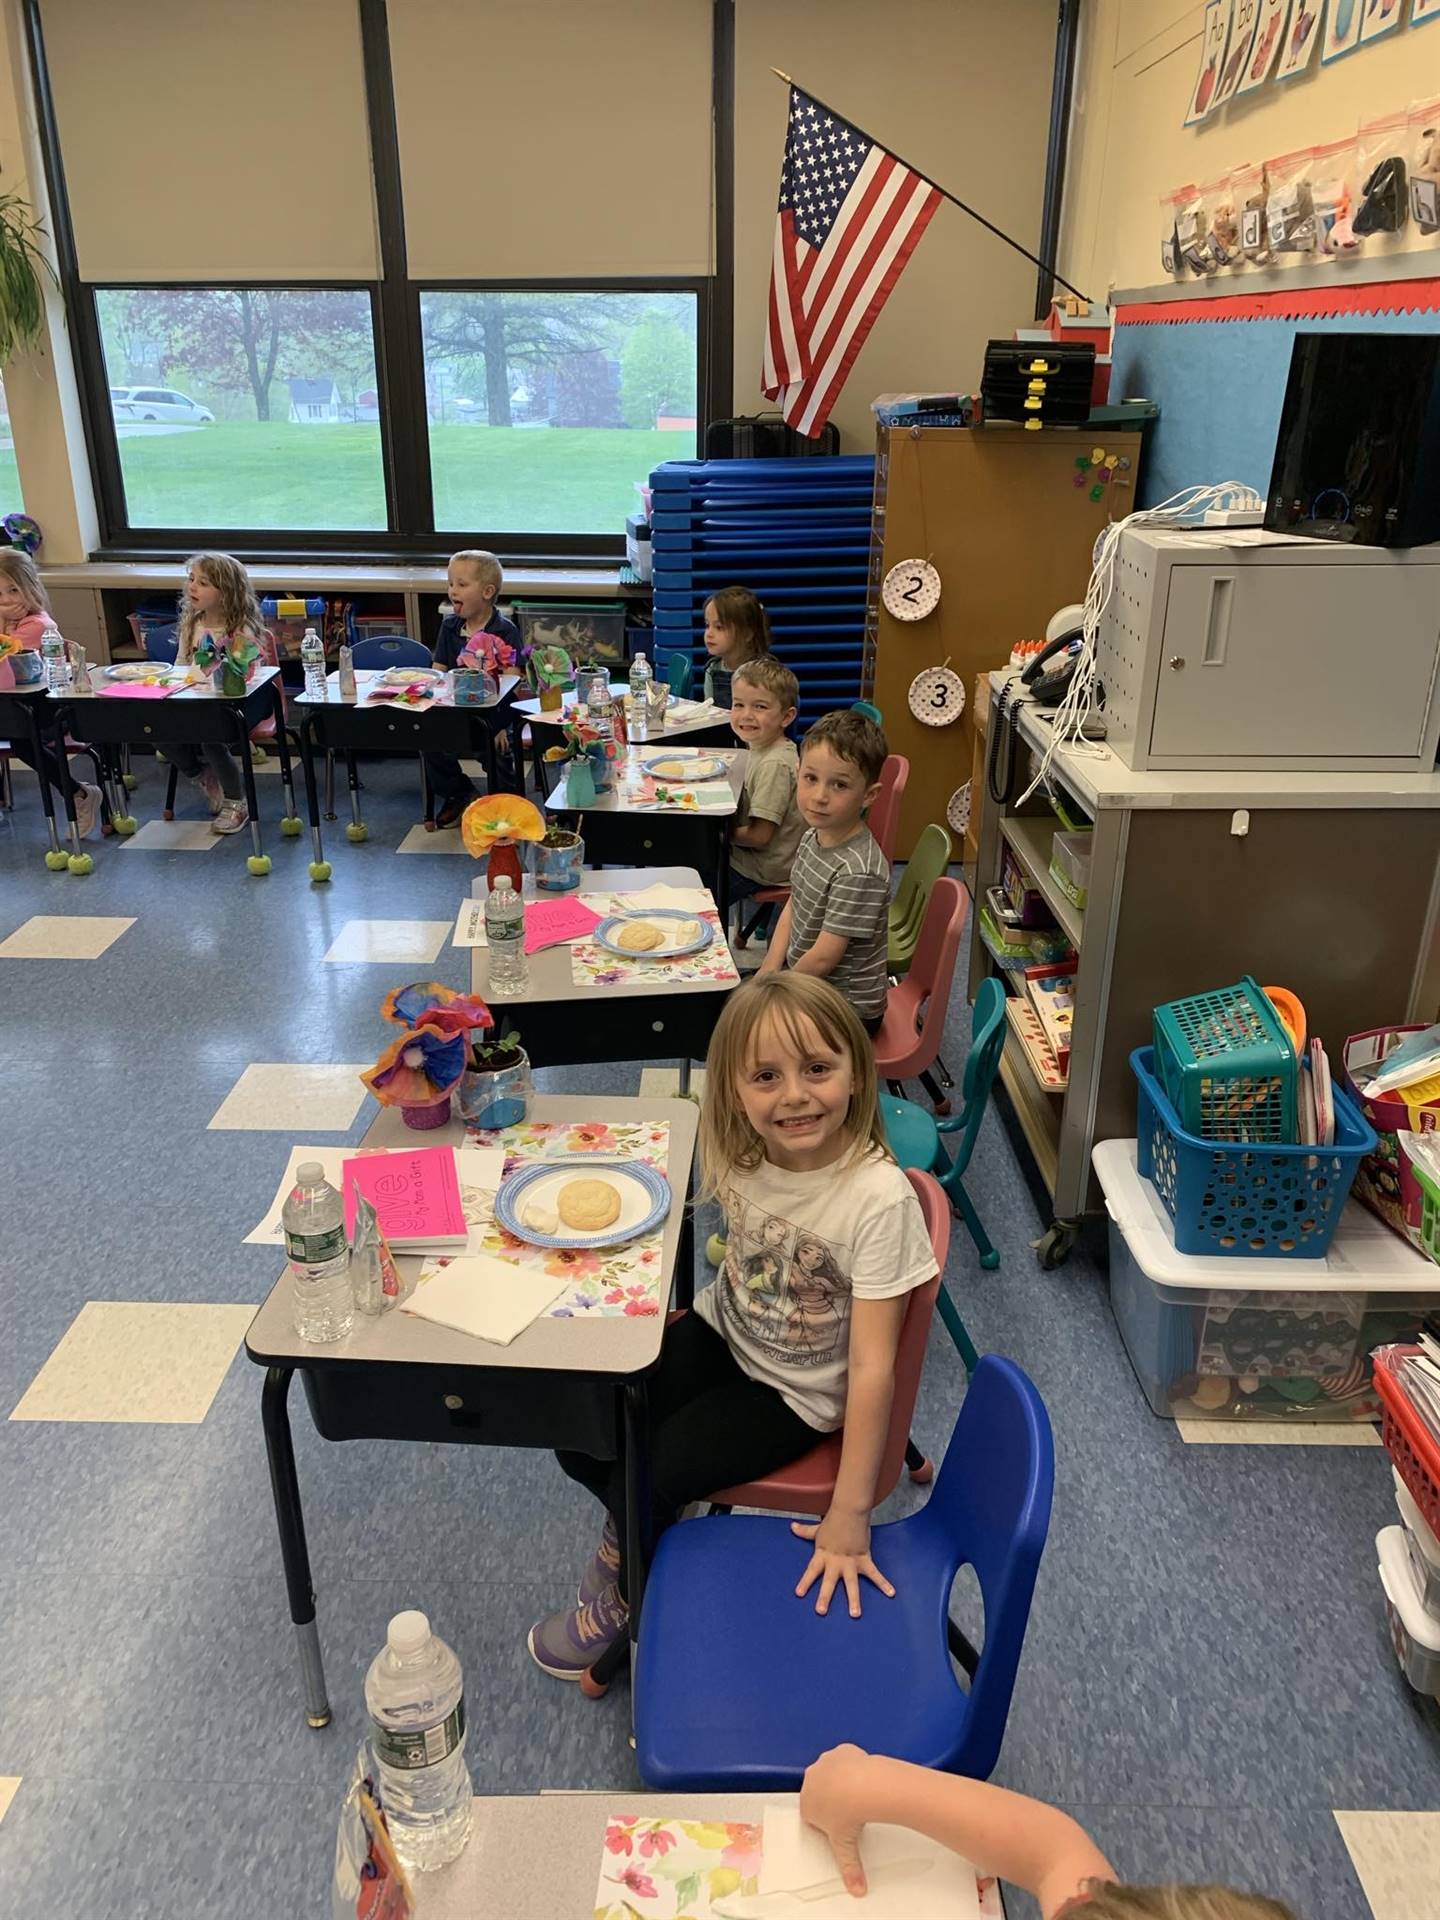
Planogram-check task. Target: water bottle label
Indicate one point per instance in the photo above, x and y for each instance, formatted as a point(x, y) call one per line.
point(416, 1747)
point(314, 1249)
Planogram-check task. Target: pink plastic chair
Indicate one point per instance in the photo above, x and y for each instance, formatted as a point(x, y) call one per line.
point(884, 817)
point(807, 1485)
point(908, 1044)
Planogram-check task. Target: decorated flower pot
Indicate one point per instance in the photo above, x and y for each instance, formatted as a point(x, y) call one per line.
point(423, 1118)
point(558, 860)
point(580, 782)
point(496, 1095)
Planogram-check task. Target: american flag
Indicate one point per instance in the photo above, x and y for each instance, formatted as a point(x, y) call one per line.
point(850, 216)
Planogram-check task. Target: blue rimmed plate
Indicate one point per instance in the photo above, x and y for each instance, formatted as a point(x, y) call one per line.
point(607, 934)
point(682, 769)
point(644, 1200)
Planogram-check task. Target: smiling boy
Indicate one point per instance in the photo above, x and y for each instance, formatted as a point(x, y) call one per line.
point(835, 921)
point(764, 696)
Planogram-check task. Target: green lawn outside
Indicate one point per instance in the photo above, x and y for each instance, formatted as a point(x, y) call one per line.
point(10, 501)
point(267, 474)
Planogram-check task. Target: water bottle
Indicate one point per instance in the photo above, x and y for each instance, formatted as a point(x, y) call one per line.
point(505, 937)
point(312, 661)
point(314, 1221)
point(348, 688)
point(57, 665)
point(415, 1696)
point(641, 678)
point(601, 715)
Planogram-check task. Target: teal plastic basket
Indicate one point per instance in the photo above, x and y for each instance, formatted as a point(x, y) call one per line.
point(1227, 1065)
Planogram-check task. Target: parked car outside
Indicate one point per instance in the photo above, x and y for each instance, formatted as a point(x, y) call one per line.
point(158, 403)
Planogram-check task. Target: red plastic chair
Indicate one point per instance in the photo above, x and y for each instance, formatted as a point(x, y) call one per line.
point(807, 1485)
point(884, 816)
point(908, 1043)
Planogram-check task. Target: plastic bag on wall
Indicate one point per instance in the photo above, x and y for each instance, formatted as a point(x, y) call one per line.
point(1247, 193)
point(1382, 188)
point(1170, 259)
point(1332, 187)
point(1424, 152)
point(1192, 231)
point(1289, 205)
point(1223, 237)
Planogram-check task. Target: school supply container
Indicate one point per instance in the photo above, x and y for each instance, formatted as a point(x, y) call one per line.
point(1070, 866)
point(1388, 1181)
point(1025, 900)
point(287, 617)
point(1414, 1635)
point(1424, 1547)
point(1408, 1441)
point(1254, 1339)
point(1238, 1200)
point(1009, 946)
point(475, 687)
point(1227, 1065)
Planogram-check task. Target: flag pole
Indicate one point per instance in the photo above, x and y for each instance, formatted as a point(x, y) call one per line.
point(955, 201)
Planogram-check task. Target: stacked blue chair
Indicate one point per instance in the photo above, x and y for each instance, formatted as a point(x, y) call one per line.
point(797, 532)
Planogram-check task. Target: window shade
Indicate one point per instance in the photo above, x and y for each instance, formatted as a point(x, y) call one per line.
point(214, 141)
point(561, 139)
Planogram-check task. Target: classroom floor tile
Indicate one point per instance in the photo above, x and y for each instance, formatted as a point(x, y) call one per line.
point(1397, 1859)
point(9, 1787)
point(63, 936)
point(1277, 1433)
point(137, 1360)
point(173, 836)
point(389, 940)
point(442, 840)
point(270, 1098)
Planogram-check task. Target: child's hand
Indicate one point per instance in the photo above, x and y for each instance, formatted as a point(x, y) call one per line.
point(842, 1552)
point(831, 1794)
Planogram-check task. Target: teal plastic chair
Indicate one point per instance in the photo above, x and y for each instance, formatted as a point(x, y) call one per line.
point(869, 709)
point(929, 859)
point(681, 675)
point(915, 1140)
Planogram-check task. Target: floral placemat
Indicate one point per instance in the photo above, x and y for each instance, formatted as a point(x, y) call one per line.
point(648, 795)
point(592, 965)
point(603, 1281)
point(674, 1869)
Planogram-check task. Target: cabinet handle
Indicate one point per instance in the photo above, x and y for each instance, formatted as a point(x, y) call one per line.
point(1217, 624)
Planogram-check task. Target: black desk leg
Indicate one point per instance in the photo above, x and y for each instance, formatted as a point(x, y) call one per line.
point(56, 859)
point(319, 865)
point(357, 829)
point(293, 1551)
point(290, 824)
point(685, 1254)
point(258, 861)
point(635, 1415)
point(67, 787)
point(722, 880)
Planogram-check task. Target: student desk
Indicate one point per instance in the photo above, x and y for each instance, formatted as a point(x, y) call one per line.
point(649, 1018)
point(576, 1383)
point(196, 715)
point(24, 713)
point(348, 726)
point(615, 828)
point(699, 728)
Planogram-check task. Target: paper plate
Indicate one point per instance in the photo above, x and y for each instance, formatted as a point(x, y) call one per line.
point(644, 1200)
point(608, 931)
point(674, 770)
point(911, 590)
point(937, 696)
point(411, 676)
point(138, 670)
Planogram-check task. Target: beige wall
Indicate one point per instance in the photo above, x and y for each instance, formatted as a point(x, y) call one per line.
point(1137, 65)
point(960, 88)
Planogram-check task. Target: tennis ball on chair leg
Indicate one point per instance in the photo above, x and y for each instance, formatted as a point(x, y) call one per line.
point(80, 863)
point(356, 832)
point(319, 869)
point(290, 826)
point(258, 864)
point(56, 861)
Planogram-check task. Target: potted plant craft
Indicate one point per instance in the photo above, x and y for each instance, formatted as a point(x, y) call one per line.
point(495, 1089)
point(558, 859)
point(419, 1071)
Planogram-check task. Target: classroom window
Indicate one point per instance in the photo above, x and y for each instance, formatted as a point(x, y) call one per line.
point(244, 407)
point(545, 406)
point(11, 500)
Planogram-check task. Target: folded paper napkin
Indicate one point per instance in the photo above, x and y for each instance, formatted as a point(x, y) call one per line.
point(480, 1295)
point(910, 1877)
point(683, 899)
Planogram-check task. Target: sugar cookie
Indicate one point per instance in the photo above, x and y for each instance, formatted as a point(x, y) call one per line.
point(638, 936)
point(588, 1204)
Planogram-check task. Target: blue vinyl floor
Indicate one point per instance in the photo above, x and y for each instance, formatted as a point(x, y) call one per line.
point(1207, 1675)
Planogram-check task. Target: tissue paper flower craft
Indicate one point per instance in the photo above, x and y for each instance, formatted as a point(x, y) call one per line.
point(419, 1070)
point(492, 825)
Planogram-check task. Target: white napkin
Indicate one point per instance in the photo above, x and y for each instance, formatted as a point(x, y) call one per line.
point(480, 1295)
point(683, 899)
point(910, 1877)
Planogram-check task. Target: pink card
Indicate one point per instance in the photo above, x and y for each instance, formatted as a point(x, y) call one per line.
point(550, 923)
point(134, 690)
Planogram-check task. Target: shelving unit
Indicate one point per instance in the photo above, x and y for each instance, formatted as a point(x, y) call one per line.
point(1195, 880)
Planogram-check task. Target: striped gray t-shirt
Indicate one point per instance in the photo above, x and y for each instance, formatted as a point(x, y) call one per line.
point(844, 890)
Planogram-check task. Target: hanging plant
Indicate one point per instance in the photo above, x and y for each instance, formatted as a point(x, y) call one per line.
point(22, 293)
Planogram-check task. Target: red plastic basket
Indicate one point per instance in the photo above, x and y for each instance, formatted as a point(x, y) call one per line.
point(1407, 1439)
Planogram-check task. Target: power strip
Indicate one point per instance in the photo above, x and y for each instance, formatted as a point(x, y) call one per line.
point(1234, 517)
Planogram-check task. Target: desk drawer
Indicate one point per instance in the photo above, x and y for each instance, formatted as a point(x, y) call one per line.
point(462, 1406)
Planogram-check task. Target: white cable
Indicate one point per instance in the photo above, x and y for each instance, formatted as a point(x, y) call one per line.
point(1077, 703)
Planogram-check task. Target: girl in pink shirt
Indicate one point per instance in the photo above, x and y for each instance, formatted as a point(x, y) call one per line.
point(25, 616)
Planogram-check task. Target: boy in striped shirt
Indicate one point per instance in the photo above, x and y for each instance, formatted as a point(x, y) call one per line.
point(835, 922)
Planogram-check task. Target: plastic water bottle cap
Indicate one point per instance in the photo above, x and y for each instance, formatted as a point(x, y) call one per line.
point(309, 1173)
point(408, 1632)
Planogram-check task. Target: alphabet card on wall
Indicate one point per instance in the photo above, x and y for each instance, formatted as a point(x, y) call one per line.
point(1424, 10)
point(1242, 33)
point(1343, 21)
point(1302, 36)
point(1381, 17)
point(1264, 47)
point(1213, 46)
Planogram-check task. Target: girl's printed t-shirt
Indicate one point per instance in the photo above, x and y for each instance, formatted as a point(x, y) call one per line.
point(30, 632)
point(800, 1247)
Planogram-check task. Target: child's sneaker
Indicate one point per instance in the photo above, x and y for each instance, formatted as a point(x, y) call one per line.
point(87, 809)
point(231, 817)
point(210, 787)
point(567, 1644)
point(604, 1570)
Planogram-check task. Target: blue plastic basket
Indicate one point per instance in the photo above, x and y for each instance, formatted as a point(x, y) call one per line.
point(1227, 1065)
point(1247, 1200)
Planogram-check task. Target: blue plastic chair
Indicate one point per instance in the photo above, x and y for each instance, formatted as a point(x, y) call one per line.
point(384, 650)
point(739, 1686)
point(869, 709)
point(681, 674)
point(915, 1135)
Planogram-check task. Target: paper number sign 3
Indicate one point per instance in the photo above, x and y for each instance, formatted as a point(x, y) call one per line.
point(937, 696)
point(911, 590)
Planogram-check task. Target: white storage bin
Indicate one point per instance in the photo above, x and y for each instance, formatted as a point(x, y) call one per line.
point(1070, 866)
point(1424, 1548)
point(1227, 1339)
point(1414, 1635)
